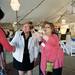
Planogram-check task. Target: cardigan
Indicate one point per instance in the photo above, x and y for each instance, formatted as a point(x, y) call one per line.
point(51, 51)
point(4, 42)
point(18, 42)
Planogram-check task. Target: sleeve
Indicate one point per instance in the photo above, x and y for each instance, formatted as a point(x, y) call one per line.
point(36, 48)
point(5, 43)
point(15, 39)
point(43, 60)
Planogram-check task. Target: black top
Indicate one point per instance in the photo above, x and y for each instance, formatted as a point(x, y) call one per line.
point(25, 65)
point(26, 58)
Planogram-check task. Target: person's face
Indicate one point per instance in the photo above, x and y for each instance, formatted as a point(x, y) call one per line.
point(47, 29)
point(26, 28)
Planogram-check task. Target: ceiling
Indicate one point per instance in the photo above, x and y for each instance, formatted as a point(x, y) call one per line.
point(48, 10)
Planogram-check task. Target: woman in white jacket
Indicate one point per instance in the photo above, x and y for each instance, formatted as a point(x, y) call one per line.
point(26, 51)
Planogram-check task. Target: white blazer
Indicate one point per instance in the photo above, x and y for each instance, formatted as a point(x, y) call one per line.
point(18, 42)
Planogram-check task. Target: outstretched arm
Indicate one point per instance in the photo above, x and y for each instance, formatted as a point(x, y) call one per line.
point(5, 43)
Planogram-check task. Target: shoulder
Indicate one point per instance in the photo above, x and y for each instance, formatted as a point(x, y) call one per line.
point(54, 36)
point(32, 39)
point(2, 32)
point(18, 33)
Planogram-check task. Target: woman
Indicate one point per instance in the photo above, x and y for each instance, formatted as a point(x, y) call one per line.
point(26, 50)
point(3, 44)
point(51, 51)
point(3, 41)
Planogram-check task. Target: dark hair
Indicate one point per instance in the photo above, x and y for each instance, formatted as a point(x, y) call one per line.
point(1, 14)
point(51, 25)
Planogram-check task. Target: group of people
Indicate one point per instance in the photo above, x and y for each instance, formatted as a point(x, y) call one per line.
point(25, 49)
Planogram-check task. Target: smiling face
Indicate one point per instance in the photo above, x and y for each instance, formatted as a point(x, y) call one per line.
point(47, 29)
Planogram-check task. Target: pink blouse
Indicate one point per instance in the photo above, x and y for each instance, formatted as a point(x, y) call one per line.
point(51, 51)
point(4, 41)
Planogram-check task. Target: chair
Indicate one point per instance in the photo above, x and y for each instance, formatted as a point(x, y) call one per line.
point(71, 47)
point(63, 45)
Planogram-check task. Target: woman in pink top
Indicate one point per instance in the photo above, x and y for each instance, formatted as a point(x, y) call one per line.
point(51, 51)
point(3, 40)
point(3, 43)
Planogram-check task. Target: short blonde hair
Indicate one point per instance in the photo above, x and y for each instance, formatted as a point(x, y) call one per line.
point(30, 23)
